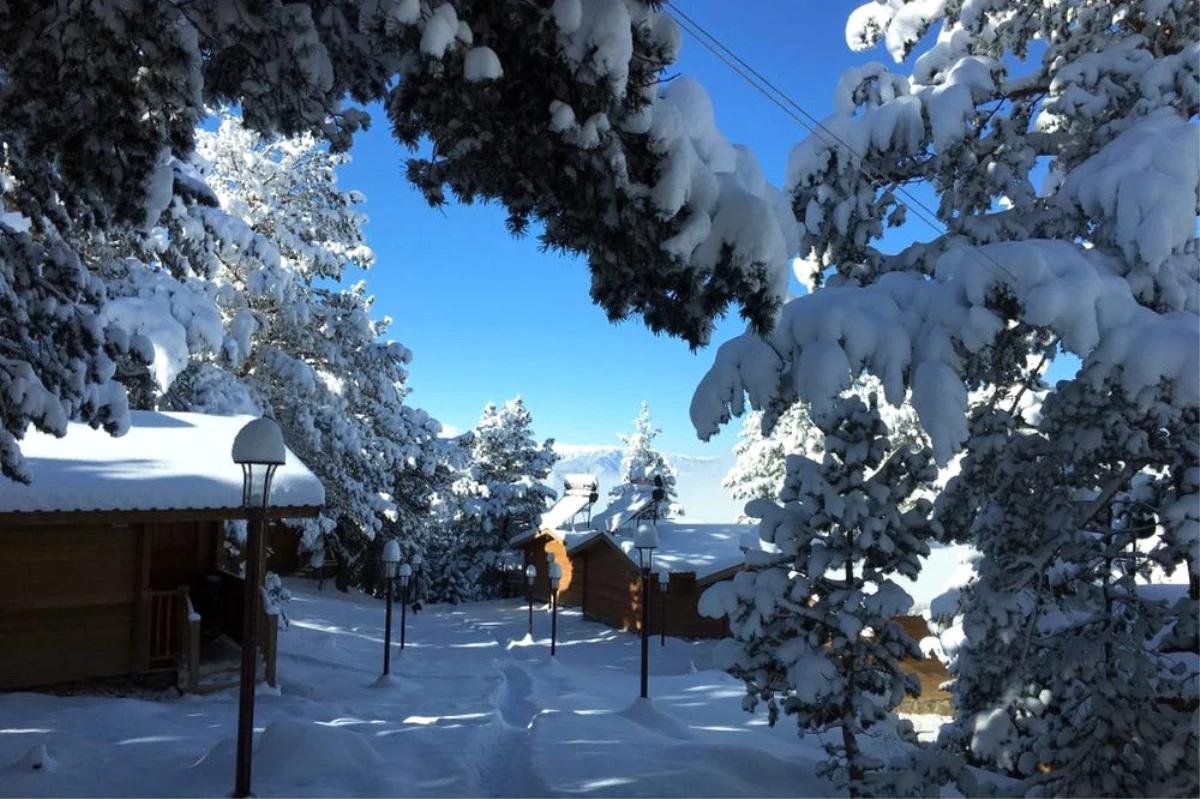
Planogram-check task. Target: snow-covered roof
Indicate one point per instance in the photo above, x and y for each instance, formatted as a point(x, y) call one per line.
point(167, 461)
point(581, 482)
point(563, 510)
point(621, 509)
point(704, 549)
point(707, 549)
point(946, 569)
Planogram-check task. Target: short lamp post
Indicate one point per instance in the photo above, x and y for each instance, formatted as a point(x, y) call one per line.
point(530, 576)
point(646, 541)
point(405, 576)
point(555, 577)
point(549, 564)
point(258, 448)
point(664, 579)
point(391, 560)
point(417, 561)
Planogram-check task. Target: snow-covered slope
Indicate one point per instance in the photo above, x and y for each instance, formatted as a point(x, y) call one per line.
point(699, 478)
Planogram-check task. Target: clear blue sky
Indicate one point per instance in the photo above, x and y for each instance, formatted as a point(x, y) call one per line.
point(489, 317)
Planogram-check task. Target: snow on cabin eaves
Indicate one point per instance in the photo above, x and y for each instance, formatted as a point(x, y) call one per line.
point(167, 461)
point(704, 549)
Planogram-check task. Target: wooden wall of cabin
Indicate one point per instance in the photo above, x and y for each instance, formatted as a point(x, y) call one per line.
point(683, 614)
point(181, 552)
point(612, 589)
point(68, 596)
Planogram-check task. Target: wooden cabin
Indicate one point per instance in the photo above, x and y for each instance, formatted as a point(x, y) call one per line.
point(602, 578)
point(112, 559)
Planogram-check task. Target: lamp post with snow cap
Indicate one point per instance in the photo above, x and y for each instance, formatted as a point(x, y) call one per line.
point(405, 576)
point(391, 559)
point(530, 576)
point(646, 541)
point(664, 579)
point(258, 448)
point(555, 576)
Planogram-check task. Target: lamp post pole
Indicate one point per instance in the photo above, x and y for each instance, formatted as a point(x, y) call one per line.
point(391, 557)
point(530, 576)
point(646, 541)
point(555, 576)
point(405, 574)
point(258, 448)
point(664, 577)
point(417, 560)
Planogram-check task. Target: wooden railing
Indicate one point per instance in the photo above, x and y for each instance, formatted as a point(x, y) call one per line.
point(164, 628)
point(268, 635)
point(190, 657)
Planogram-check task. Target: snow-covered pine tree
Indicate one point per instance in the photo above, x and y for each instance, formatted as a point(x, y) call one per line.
point(1069, 677)
point(641, 463)
point(554, 111)
point(1061, 144)
point(759, 465)
point(813, 624)
point(256, 234)
point(763, 446)
point(499, 494)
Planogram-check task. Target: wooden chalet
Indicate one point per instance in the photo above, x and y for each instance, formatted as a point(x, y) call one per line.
point(600, 575)
point(602, 578)
point(112, 560)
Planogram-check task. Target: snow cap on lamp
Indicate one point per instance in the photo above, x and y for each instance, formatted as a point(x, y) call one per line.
point(260, 441)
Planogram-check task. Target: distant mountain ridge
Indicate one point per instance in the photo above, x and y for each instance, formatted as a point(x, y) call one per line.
point(698, 478)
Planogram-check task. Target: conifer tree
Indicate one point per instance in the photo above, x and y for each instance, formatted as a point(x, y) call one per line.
point(641, 464)
point(567, 125)
point(500, 493)
point(1059, 140)
point(813, 626)
point(766, 440)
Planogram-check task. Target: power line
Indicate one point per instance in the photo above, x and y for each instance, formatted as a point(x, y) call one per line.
point(798, 113)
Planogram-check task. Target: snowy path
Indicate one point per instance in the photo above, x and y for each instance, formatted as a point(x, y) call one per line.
point(474, 708)
point(503, 762)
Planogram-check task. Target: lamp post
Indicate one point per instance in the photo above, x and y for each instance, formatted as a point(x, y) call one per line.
point(549, 563)
point(555, 576)
point(646, 541)
point(391, 559)
point(405, 575)
point(417, 561)
point(530, 576)
point(664, 578)
point(258, 448)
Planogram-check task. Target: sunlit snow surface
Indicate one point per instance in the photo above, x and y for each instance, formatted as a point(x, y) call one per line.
point(474, 708)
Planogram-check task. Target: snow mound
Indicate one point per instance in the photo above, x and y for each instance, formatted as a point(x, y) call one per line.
point(523, 641)
point(643, 712)
point(294, 750)
point(36, 759)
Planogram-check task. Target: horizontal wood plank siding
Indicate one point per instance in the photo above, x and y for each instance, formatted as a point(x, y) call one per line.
point(67, 602)
point(613, 588)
